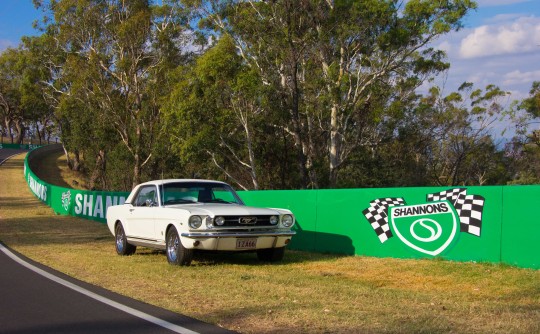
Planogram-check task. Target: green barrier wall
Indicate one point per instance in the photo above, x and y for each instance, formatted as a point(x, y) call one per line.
point(20, 146)
point(520, 230)
point(66, 201)
point(501, 223)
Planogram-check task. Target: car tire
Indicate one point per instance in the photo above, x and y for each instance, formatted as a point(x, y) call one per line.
point(177, 254)
point(121, 245)
point(271, 254)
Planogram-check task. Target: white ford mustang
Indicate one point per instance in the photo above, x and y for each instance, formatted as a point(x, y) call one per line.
point(181, 216)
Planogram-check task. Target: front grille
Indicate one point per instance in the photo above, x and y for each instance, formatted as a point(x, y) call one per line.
point(246, 221)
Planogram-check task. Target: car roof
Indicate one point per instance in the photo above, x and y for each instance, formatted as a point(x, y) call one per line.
point(165, 181)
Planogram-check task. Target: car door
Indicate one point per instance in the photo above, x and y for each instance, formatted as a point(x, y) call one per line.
point(142, 214)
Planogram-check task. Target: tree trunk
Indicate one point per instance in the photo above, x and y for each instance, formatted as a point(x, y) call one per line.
point(76, 166)
point(137, 156)
point(251, 154)
point(98, 175)
point(334, 147)
point(136, 170)
point(20, 131)
point(38, 132)
point(9, 133)
point(299, 139)
point(68, 159)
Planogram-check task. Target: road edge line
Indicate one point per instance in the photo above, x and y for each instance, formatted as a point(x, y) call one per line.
point(139, 314)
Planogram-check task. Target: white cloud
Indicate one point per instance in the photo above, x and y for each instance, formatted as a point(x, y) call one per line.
point(518, 77)
point(4, 44)
point(519, 36)
point(493, 3)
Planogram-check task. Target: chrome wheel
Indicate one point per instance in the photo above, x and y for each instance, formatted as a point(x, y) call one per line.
point(177, 254)
point(120, 239)
point(172, 247)
point(122, 246)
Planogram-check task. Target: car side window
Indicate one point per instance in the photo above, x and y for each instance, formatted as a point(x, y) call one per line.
point(147, 196)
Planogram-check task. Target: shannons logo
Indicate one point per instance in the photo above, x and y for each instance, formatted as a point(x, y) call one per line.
point(66, 200)
point(430, 227)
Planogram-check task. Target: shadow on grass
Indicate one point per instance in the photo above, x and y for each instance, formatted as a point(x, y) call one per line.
point(246, 258)
point(209, 258)
point(46, 230)
point(11, 164)
point(23, 204)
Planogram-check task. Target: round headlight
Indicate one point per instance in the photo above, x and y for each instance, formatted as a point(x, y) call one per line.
point(195, 222)
point(274, 220)
point(219, 221)
point(287, 220)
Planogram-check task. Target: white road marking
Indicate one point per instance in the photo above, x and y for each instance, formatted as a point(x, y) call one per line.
point(112, 303)
point(11, 156)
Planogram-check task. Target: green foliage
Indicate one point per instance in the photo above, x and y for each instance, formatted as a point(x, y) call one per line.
point(110, 59)
point(532, 103)
point(279, 94)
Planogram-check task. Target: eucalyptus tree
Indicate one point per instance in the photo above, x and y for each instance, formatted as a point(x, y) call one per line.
point(215, 114)
point(335, 66)
point(22, 103)
point(531, 117)
point(33, 91)
point(524, 149)
point(122, 48)
point(9, 91)
point(376, 51)
point(457, 131)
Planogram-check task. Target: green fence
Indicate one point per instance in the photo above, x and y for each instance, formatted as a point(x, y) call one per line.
point(20, 146)
point(493, 224)
point(66, 201)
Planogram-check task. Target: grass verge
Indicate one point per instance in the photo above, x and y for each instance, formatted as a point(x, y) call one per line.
point(306, 293)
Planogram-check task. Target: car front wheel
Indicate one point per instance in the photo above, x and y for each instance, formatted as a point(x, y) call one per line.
point(177, 254)
point(122, 246)
point(271, 254)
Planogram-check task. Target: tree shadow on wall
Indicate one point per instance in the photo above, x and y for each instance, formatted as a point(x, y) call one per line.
point(321, 242)
point(44, 164)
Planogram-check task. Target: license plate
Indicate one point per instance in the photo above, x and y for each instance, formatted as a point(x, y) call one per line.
point(246, 243)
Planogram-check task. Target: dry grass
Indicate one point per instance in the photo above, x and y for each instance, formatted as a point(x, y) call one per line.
point(306, 293)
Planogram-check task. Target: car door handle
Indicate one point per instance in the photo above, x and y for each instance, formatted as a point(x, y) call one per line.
point(131, 210)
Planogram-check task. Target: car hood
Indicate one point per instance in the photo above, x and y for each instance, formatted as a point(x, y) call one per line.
point(212, 209)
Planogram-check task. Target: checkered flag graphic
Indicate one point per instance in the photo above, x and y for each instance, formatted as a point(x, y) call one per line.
point(377, 215)
point(469, 208)
point(451, 195)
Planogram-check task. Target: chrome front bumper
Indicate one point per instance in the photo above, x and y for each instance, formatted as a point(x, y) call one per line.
point(254, 234)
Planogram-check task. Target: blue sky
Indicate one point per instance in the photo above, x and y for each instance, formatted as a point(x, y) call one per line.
point(499, 44)
point(16, 17)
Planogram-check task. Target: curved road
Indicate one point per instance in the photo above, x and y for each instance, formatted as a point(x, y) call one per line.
point(38, 299)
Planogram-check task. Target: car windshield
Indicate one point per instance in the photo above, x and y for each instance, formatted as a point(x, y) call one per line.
point(198, 192)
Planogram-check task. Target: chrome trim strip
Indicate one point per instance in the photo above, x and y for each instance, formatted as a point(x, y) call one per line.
point(244, 227)
point(203, 235)
point(146, 243)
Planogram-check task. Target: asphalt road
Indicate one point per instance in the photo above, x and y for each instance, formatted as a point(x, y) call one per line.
point(38, 299)
point(7, 152)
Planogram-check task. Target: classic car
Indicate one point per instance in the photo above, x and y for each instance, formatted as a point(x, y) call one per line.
point(183, 216)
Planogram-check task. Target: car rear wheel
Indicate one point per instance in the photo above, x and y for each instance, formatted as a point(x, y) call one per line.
point(271, 254)
point(177, 254)
point(122, 246)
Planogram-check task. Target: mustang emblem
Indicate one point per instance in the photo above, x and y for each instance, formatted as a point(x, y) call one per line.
point(248, 220)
